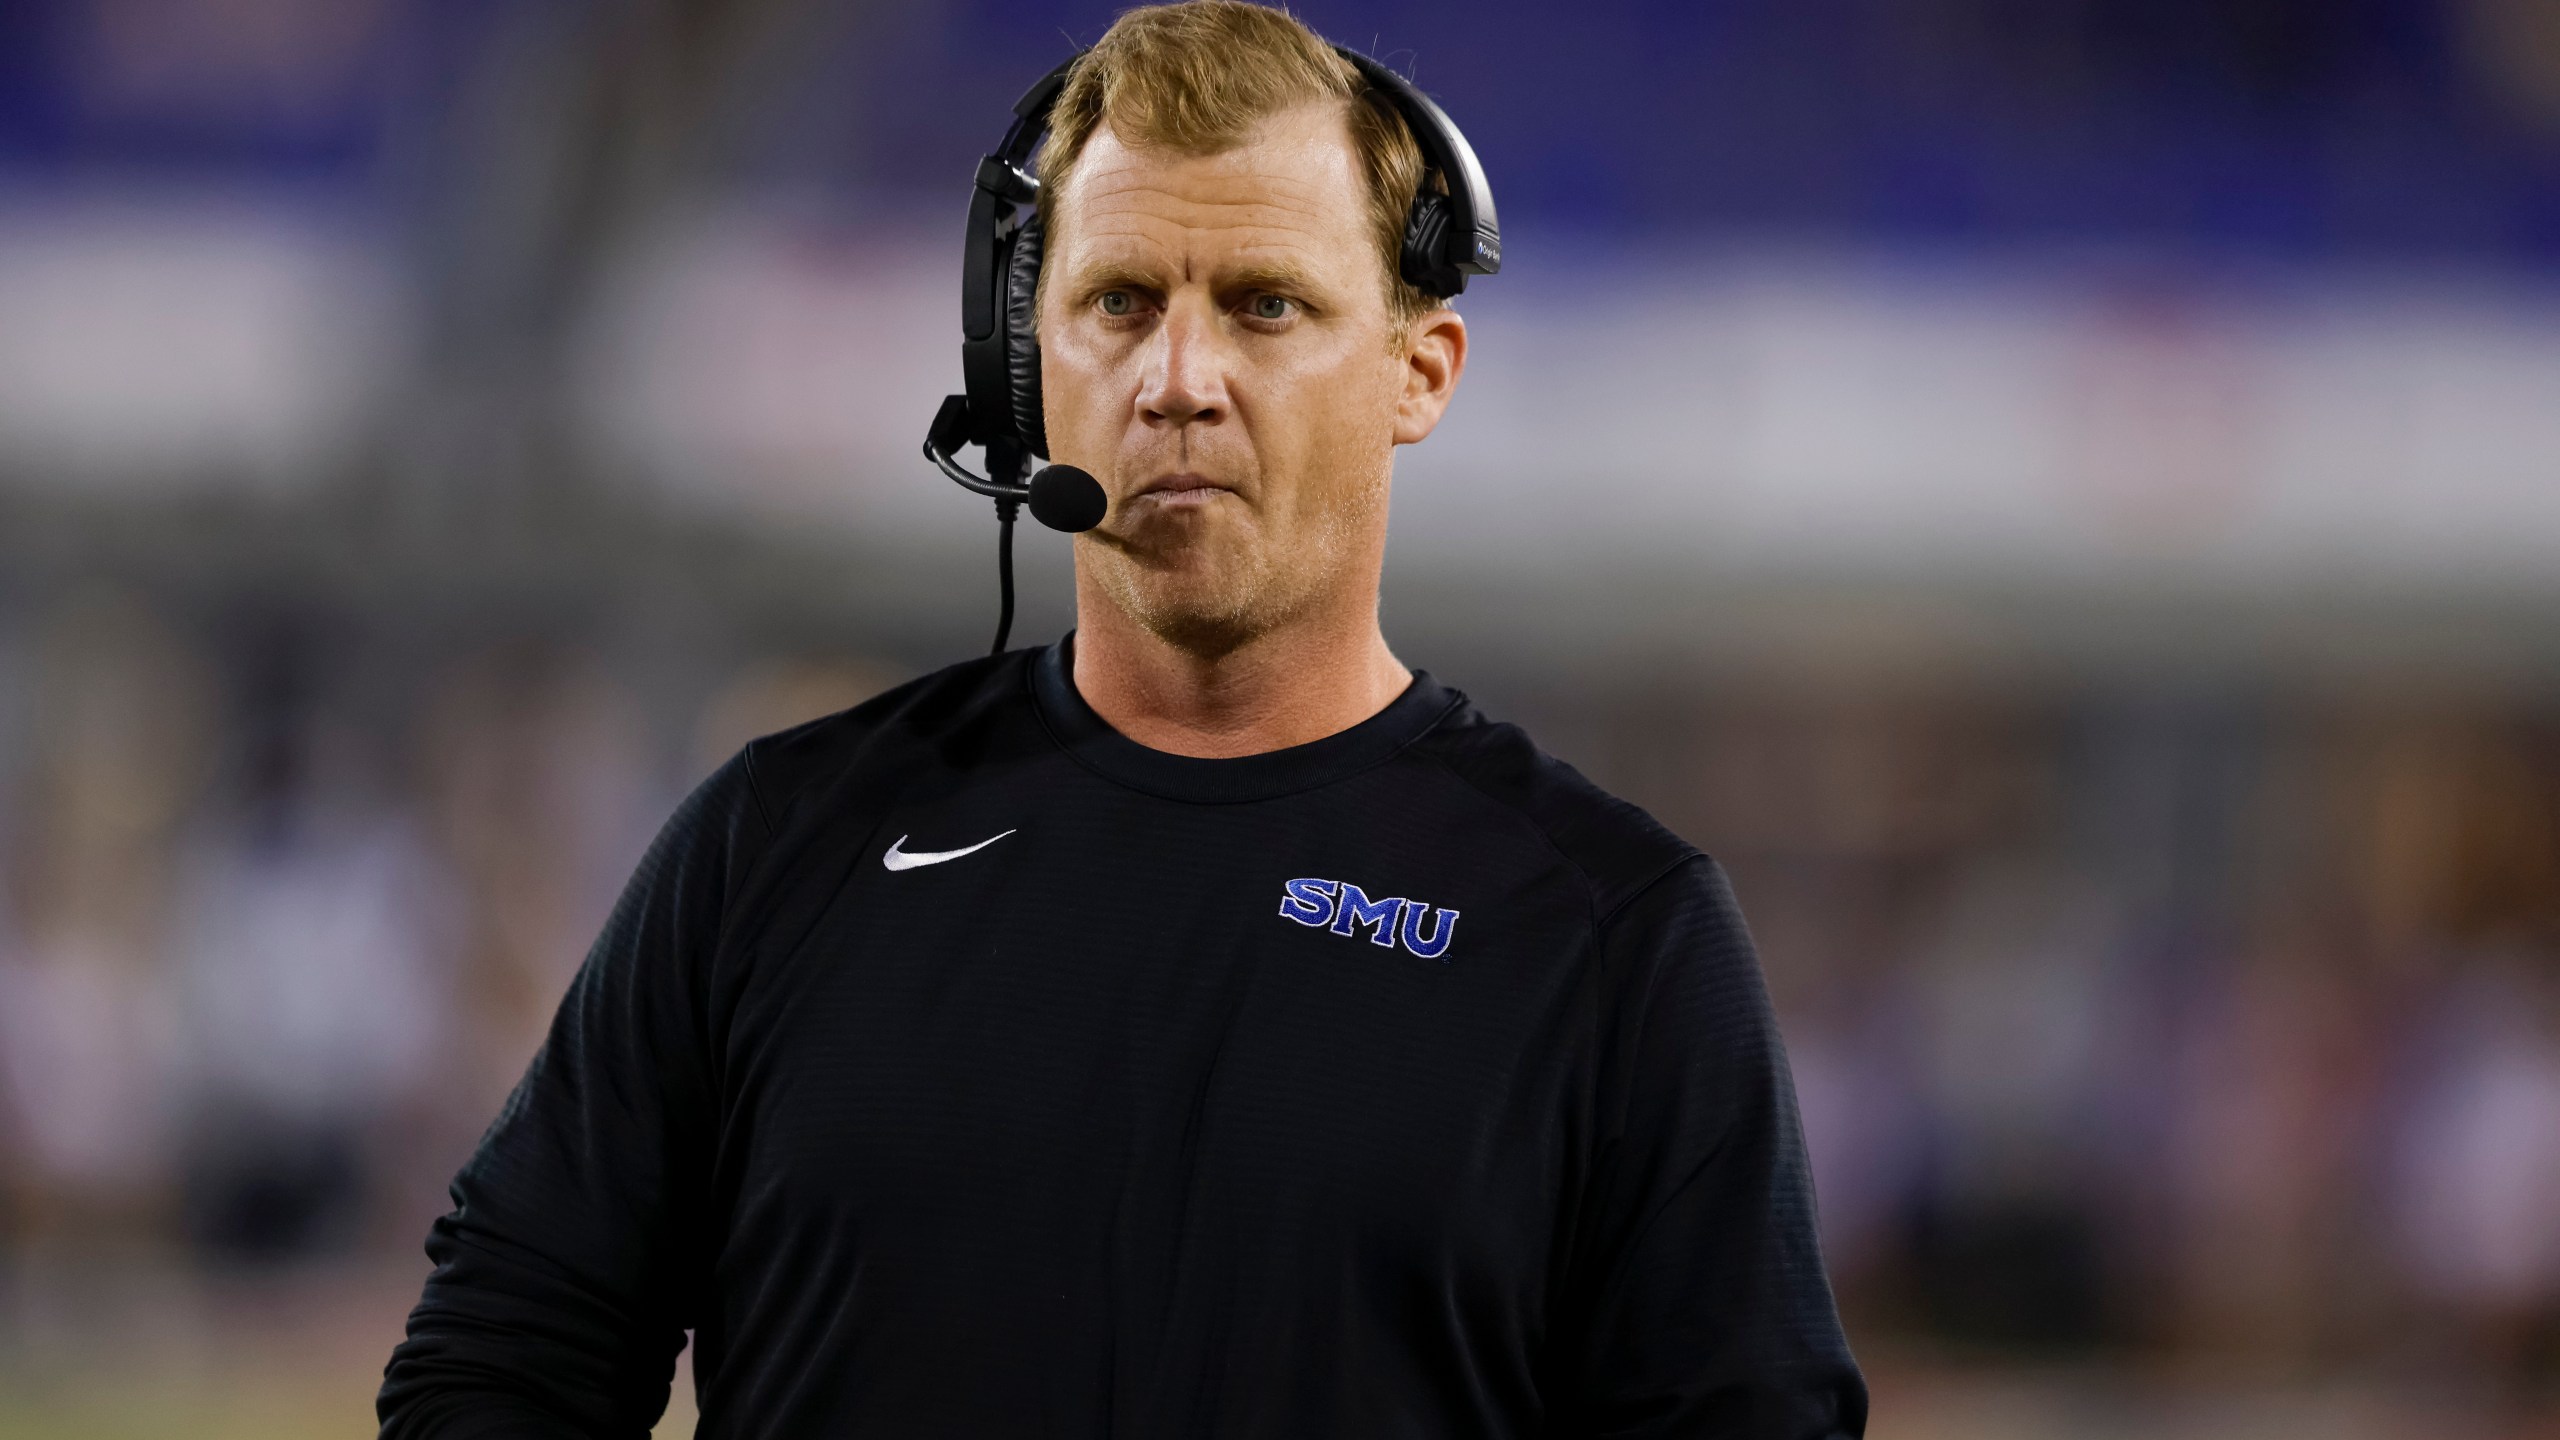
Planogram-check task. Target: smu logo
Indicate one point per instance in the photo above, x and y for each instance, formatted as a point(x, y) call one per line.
point(1343, 907)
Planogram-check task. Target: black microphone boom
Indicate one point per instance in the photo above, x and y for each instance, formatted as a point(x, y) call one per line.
point(1061, 497)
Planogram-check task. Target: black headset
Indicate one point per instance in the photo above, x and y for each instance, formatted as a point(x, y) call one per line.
point(1447, 237)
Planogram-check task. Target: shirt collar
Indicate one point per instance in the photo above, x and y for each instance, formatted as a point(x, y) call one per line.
point(1090, 739)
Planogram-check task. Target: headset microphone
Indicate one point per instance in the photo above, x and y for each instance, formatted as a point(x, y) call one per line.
point(1449, 234)
point(1065, 498)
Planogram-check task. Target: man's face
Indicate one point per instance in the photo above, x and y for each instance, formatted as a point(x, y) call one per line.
point(1217, 350)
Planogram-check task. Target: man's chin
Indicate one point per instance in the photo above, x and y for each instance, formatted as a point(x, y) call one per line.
point(1182, 558)
point(1201, 618)
point(1207, 634)
point(1193, 607)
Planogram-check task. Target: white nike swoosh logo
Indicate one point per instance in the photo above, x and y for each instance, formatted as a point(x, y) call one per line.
point(897, 859)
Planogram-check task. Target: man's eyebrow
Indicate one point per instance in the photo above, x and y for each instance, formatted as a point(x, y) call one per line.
point(1100, 275)
point(1279, 275)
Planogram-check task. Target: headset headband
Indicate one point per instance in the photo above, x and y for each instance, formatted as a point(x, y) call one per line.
point(1470, 245)
point(1004, 181)
point(1473, 245)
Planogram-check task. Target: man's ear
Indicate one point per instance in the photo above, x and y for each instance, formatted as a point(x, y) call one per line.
point(1435, 352)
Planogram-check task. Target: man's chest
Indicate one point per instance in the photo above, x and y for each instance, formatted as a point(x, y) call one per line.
point(1273, 1038)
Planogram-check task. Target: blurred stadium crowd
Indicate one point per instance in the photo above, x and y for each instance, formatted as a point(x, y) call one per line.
point(2224, 1027)
point(2169, 948)
point(279, 946)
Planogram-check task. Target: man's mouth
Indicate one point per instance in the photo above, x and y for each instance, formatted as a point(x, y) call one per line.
point(1181, 489)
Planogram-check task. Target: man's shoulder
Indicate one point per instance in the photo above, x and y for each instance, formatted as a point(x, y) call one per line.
point(1617, 847)
point(953, 718)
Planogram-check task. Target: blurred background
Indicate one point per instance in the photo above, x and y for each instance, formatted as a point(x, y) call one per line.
point(2063, 496)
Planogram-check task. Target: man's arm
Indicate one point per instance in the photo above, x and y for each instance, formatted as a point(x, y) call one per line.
point(1699, 1307)
point(570, 1266)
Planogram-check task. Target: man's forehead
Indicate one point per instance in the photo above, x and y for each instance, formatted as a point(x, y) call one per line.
point(1295, 183)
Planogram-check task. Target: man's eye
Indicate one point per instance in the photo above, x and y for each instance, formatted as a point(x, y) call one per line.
point(1270, 307)
point(1116, 302)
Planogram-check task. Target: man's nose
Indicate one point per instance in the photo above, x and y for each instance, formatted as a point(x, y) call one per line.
point(1185, 380)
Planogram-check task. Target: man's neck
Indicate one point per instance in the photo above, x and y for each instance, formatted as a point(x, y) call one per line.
point(1306, 680)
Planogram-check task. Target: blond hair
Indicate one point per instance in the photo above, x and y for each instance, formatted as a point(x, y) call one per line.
point(1198, 76)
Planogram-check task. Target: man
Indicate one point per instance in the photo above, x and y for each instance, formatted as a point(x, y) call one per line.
point(1204, 1026)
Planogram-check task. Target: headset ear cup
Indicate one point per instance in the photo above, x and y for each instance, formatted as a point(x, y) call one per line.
point(1426, 230)
point(1022, 336)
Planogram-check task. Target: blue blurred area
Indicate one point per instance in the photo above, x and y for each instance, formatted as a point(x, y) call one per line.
point(2295, 129)
point(208, 91)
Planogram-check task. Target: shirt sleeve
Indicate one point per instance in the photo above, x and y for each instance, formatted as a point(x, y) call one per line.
point(1700, 1307)
point(569, 1267)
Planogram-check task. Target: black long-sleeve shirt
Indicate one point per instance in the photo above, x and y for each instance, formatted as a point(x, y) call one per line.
point(955, 1066)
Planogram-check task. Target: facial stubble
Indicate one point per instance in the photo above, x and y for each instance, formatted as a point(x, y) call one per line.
point(1254, 580)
